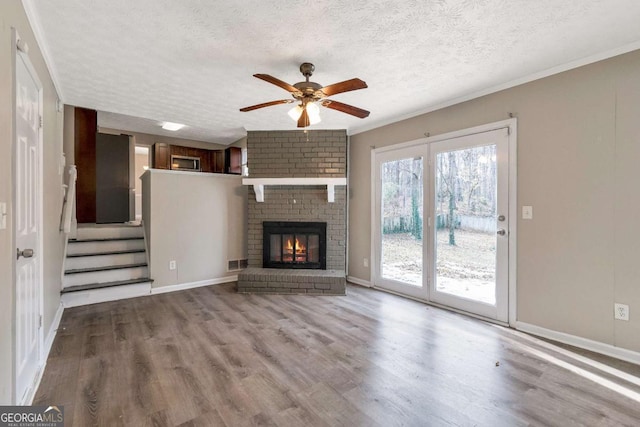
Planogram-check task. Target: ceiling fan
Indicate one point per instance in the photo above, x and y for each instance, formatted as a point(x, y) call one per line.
point(308, 93)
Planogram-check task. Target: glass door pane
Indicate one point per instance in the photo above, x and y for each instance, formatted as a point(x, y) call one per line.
point(465, 223)
point(469, 244)
point(401, 200)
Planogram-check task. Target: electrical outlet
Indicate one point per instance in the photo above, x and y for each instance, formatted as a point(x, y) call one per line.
point(365, 261)
point(172, 265)
point(621, 311)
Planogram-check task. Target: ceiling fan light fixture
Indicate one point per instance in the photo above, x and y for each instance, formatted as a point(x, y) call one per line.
point(295, 112)
point(309, 94)
point(312, 110)
point(314, 113)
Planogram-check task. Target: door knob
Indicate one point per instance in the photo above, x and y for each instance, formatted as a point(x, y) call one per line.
point(27, 253)
point(501, 232)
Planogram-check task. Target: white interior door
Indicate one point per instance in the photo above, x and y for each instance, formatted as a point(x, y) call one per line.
point(28, 213)
point(470, 223)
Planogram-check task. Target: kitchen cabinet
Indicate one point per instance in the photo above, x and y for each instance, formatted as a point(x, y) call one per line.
point(211, 161)
point(205, 161)
point(217, 160)
point(161, 156)
point(233, 160)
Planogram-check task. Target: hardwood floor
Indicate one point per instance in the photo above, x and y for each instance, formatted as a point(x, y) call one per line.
point(212, 357)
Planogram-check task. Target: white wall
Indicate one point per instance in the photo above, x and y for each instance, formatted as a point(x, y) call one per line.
point(579, 167)
point(142, 160)
point(197, 219)
point(12, 15)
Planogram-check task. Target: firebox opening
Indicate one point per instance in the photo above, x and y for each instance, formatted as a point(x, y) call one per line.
point(294, 245)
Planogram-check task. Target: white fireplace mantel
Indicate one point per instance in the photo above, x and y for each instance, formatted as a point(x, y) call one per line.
point(260, 183)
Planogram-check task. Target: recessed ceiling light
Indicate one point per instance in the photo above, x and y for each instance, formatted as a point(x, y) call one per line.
point(172, 126)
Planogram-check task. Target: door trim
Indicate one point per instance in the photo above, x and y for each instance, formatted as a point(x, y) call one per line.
point(512, 125)
point(18, 54)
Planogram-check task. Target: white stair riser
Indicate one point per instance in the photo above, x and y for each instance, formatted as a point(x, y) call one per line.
point(105, 276)
point(104, 260)
point(108, 232)
point(74, 248)
point(93, 296)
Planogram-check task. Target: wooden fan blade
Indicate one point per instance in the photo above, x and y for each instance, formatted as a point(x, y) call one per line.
point(303, 121)
point(345, 108)
point(345, 86)
point(267, 104)
point(284, 85)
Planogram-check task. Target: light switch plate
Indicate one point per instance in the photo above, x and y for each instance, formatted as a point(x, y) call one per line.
point(527, 212)
point(3, 215)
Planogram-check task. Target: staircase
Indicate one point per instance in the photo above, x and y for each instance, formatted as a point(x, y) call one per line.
point(105, 263)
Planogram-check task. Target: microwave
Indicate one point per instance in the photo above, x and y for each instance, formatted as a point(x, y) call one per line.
point(185, 163)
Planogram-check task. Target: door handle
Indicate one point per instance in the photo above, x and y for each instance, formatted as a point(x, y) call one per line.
point(26, 253)
point(501, 232)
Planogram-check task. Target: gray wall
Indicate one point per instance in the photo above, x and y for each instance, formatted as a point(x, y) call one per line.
point(197, 219)
point(298, 154)
point(13, 15)
point(578, 166)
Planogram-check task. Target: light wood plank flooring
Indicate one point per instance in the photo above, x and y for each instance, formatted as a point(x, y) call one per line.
point(211, 357)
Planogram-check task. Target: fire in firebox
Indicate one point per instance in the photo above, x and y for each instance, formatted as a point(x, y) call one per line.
point(294, 245)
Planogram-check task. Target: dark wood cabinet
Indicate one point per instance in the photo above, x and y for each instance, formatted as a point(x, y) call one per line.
point(233, 160)
point(211, 161)
point(205, 161)
point(85, 130)
point(217, 159)
point(161, 156)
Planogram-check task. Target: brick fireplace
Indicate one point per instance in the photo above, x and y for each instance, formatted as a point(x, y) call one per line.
point(304, 162)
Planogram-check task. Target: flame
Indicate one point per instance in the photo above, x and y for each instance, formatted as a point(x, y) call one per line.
point(300, 249)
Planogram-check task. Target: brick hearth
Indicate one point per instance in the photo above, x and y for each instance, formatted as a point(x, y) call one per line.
point(289, 281)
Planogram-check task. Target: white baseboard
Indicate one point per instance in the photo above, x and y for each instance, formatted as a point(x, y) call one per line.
point(360, 282)
point(44, 355)
point(51, 335)
point(183, 286)
point(584, 343)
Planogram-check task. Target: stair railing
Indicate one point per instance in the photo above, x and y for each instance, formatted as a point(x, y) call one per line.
point(70, 197)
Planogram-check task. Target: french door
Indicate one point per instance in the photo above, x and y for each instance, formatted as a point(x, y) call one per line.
point(399, 241)
point(441, 222)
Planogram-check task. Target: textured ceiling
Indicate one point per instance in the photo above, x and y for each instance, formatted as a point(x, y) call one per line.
point(142, 62)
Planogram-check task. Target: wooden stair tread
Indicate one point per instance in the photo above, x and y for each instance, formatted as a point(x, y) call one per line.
point(130, 251)
point(110, 239)
point(90, 286)
point(108, 225)
point(106, 268)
